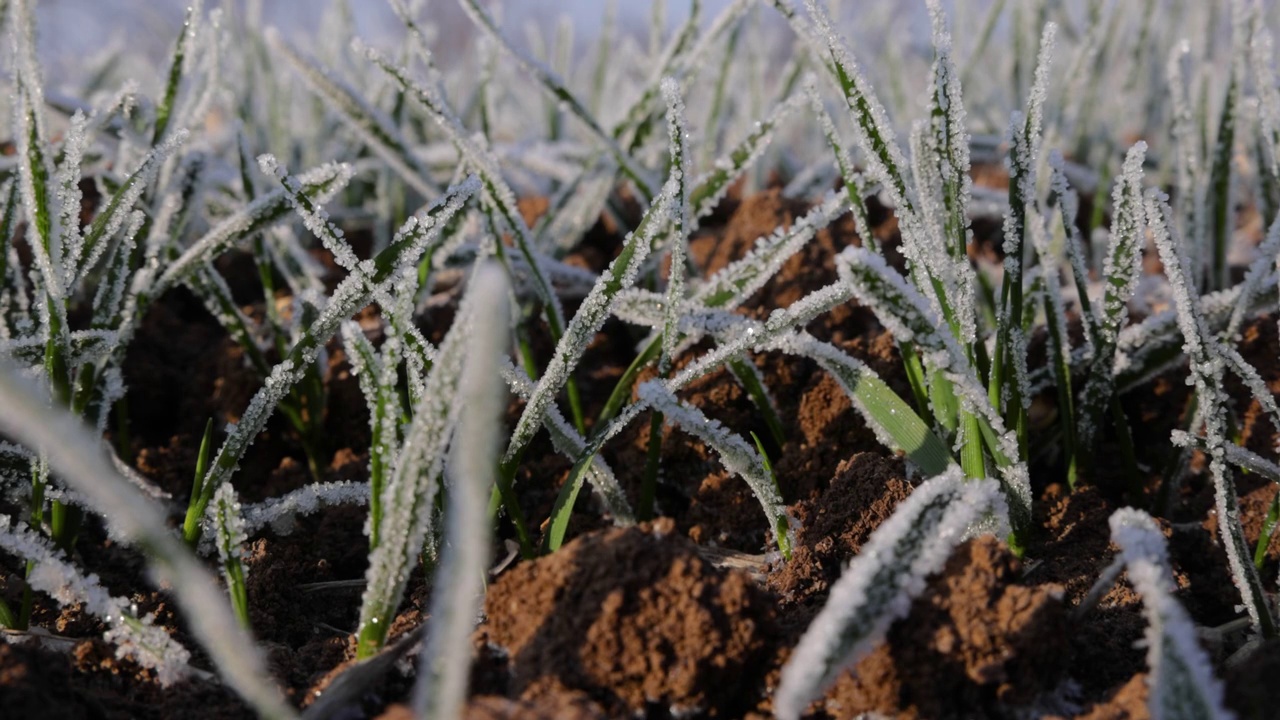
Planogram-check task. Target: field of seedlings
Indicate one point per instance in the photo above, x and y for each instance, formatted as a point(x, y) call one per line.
point(763, 358)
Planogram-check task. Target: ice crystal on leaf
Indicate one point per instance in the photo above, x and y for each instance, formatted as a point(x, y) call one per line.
point(1181, 683)
point(678, 150)
point(592, 314)
point(1207, 368)
point(441, 688)
point(411, 486)
point(134, 637)
point(1122, 268)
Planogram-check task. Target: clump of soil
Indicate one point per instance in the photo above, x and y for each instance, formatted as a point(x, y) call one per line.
point(634, 618)
point(832, 528)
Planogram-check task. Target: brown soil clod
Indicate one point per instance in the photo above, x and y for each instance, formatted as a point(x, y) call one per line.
point(635, 619)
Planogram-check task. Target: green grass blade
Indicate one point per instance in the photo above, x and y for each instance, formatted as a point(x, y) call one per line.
point(225, 517)
point(896, 425)
point(1269, 524)
point(1058, 346)
point(1207, 375)
point(1007, 387)
point(178, 67)
point(409, 497)
point(596, 308)
point(377, 377)
point(1220, 212)
point(458, 589)
point(117, 209)
point(367, 122)
point(320, 184)
point(875, 134)
point(568, 442)
point(736, 454)
point(855, 185)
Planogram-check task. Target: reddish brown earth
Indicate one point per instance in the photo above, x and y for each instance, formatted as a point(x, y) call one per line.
point(684, 616)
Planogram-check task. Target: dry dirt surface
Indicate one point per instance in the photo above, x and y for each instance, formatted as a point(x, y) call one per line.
point(682, 617)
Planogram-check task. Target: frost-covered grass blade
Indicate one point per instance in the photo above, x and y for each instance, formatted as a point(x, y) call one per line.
point(878, 586)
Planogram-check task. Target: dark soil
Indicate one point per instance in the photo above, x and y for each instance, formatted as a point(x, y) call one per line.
point(687, 616)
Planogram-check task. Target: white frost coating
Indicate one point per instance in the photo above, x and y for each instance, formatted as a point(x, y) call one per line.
point(410, 491)
point(441, 688)
point(1181, 682)
point(678, 150)
point(928, 235)
point(1124, 258)
point(496, 191)
point(1039, 94)
point(878, 586)
point(69, 195)
point(1248, 374)
point(739, 280)
point(353, 293)
point(567, 442)
point(313, 216)
point(32, 150)
point(225, 514)
point(106, 301)
point(755, 334)
point(1206, 374)
point(137, 638)
point(1160, 331)
point(873, 131)
point(280, 512)
point(324, 182)
point(1069, 209)
point(77, 458)
point(636, 306)
point(121, 204)
point(1239, 456)
point(949, 141)
point(378, 375)
point(369, 123)
point(595, 309)
point(736, 454)
point(1121, 270)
